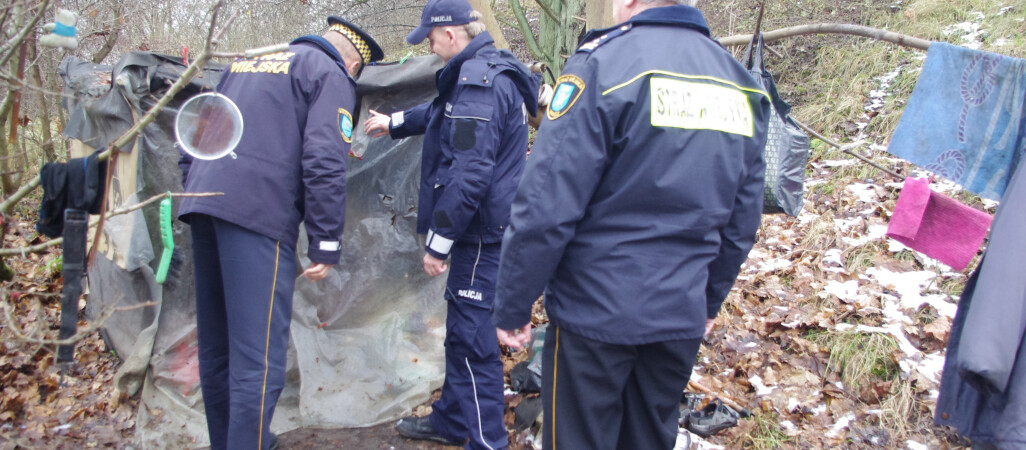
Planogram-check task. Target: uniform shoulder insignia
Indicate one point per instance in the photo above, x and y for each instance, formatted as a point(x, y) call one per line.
point(568, 90)
point(596, 38)
point(345, 125)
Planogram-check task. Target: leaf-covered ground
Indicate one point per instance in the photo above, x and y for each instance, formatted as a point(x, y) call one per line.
point(833, 335)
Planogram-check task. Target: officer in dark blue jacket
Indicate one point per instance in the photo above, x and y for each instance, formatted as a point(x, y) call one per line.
point(475, 143)
point(640, 201)
point(289, 167)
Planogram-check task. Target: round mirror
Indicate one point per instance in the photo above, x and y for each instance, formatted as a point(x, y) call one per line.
point(208, 126)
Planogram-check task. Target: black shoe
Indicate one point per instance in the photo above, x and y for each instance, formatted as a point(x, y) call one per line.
point(420, 428)
point(712, 419)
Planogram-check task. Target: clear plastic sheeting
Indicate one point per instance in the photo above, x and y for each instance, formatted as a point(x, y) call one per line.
point(366, 344)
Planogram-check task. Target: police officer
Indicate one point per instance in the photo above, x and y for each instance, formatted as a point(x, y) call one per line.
point(475, 142)
point(639, 203)
point(290, 168)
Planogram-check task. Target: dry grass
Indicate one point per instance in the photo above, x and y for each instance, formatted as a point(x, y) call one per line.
point(857, 356)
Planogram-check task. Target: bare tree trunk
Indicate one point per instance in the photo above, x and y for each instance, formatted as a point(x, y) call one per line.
point(488, 16)
point(561, 26)
point(599, 14)
point(112, 34)
point(44, 107)
point(561, 36)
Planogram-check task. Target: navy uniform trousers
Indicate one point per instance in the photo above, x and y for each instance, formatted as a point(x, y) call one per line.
point(244, 284)
point(472, 404)
point(609, 396)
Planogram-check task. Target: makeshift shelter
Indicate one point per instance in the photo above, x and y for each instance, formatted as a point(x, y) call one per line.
point(366, 342)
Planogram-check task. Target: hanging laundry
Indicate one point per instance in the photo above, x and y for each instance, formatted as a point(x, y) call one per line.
point(937, 226)
point(965, 119)
point(983, 385)
point(77, 184)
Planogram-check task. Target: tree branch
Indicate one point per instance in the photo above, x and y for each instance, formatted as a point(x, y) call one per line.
point(525, 30)
point(548, 11)
point(125, 210)
point(183, 80)
point(112, 36)
point(7, 50)
point(831, 28)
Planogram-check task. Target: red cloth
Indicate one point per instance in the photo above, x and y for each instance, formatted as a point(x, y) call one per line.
point(937, 226)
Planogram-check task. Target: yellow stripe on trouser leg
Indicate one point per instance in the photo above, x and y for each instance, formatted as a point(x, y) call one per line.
point(267, 344)
point(555, 357)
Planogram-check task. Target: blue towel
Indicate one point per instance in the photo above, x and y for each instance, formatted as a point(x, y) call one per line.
point(965, 119)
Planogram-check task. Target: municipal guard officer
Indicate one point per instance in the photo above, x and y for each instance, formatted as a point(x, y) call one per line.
point(289, 167)
point(639, 203)
point(475, 142)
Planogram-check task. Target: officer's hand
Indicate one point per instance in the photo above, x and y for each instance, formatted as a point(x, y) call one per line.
point(708, 326)
point(377, 124)
point(434, 266)
point(516, 339)
point(317, 272)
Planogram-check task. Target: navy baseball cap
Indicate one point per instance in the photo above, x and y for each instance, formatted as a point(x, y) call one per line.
point(369, 50)
point(440, 13)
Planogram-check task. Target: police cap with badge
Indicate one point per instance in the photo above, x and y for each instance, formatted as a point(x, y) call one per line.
point(440, 13)
point(364, 43)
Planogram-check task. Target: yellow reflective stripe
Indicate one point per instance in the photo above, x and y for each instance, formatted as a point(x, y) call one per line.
point(267, 345)
point(681, 75)
point(555, 358)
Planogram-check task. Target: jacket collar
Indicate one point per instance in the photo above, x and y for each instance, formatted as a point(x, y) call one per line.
point(678, 15)
point(325, 46)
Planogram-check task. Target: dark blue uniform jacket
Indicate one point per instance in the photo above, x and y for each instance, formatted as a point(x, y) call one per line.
point(644, 189)
point(297, 112)
point(475, 143)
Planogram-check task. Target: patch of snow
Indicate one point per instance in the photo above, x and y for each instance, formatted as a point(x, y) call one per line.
point(877, 231)
point(833, 256)
point(845, 225)
point(819, 410)
point(913, 445)
point(931, 366)
point(864, 191)
point(838, 163)
point(841, 424)
point(1004, 10)
point(999, 42)
point(760, 389)
point(696, 440)
point(970, 31)
point(873, 233)
point(792, 404)
point(894, 329)
point(788, 426)
point(895, 246)
point(848, 290)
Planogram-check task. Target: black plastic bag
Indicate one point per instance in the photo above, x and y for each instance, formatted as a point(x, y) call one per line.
point(787, 147)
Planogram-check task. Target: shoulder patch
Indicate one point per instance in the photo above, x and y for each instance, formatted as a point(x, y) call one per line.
point(345, 125)
point(598, 37)
point(568, 90)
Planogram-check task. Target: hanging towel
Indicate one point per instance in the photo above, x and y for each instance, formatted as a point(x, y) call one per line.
point(965, 119)
point(937, 226)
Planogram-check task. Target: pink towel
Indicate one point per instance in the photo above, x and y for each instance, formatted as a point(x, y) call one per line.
point(937, 226)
